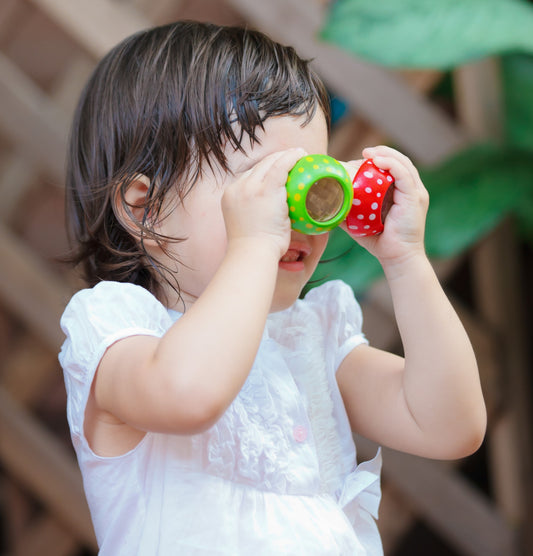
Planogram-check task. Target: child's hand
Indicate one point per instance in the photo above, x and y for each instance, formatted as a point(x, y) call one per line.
point(405, 223)
point(255, 204)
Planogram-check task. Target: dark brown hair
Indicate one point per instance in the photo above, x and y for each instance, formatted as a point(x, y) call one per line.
point(164, 103)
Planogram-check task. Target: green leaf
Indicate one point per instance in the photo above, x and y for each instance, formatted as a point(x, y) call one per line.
point(424, 34)
point(472, 192)
point(517, 79)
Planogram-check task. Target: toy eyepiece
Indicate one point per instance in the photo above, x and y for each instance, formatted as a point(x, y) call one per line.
point(325, 199)
point(319, 194)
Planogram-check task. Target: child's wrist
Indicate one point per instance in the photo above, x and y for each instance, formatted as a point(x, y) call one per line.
point(253, 246)
point(403, 265)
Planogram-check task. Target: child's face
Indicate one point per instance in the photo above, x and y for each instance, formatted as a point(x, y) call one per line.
point(200, 218)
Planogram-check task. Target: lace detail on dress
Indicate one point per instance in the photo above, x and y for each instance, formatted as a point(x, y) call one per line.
point(320, 409)
point(253, 441)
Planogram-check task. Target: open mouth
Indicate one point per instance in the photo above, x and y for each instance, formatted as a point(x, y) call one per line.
point(294, 257)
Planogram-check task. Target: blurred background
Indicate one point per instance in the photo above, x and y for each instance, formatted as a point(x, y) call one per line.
point(448, 83)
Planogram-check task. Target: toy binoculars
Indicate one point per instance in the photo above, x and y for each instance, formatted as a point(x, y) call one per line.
point(321, 195)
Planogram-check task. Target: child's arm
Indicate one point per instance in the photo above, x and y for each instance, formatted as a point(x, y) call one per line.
point(184, 381)
point(429, 403)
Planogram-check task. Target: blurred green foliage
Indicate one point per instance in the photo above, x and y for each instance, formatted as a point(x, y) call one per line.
point(422, 34)
point(475, 189)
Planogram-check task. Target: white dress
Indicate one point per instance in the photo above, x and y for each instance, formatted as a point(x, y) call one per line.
point(276, 475)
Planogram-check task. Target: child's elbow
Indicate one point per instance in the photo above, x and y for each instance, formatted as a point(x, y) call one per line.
point(469, 437)
point(478, 428)
point(197, 414)
point(472, 443)
point(182, 408)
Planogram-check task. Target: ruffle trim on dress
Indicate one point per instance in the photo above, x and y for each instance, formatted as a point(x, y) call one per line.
point(363, 486)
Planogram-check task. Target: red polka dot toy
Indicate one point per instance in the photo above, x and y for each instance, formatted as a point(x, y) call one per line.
point(372, 199)
point(320, 196)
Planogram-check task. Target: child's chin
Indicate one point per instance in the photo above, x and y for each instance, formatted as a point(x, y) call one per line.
point(284, 299)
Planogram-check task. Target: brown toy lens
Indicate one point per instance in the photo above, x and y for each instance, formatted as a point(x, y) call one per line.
point(324, 199)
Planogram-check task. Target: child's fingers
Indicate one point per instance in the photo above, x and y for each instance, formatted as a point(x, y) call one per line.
point(404, 180)
point(276, 166)
point(384, 150)
point(399, 165)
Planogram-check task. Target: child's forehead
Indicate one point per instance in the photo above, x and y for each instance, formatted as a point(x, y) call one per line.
point(279, 133)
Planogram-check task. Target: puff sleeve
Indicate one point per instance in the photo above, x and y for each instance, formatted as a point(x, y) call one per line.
point(93, 320)
point(341, 318)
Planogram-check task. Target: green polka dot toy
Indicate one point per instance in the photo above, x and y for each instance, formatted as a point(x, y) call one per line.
point(319, 194)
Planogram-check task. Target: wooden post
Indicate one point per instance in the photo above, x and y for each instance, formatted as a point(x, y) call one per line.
point(479, 98)
point(498, 287)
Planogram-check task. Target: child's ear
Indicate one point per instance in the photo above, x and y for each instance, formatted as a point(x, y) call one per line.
point(130, 202)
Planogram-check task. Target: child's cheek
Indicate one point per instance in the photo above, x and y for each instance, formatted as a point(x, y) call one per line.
point(320, 244)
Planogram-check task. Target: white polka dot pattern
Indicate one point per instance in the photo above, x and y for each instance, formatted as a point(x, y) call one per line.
point(370, 186)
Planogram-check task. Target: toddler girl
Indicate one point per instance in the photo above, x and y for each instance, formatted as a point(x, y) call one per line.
point(211, 410)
